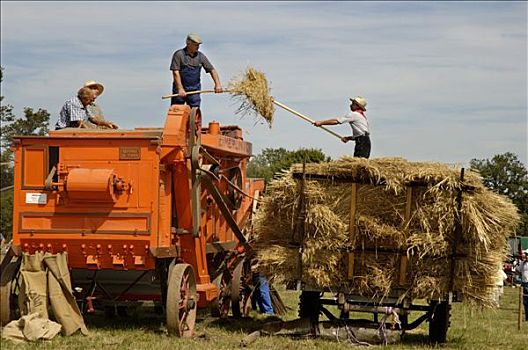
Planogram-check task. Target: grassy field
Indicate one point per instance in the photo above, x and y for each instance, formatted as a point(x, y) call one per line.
point(470, 329)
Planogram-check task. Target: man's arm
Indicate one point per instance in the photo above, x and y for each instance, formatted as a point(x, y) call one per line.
point(177, 80)
point(332, 121)
point(216, 79)
point(105, 123)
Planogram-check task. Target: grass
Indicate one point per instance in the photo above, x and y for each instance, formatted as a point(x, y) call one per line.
point(470, 329)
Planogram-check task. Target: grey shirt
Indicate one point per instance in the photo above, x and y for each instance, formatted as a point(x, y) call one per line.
point(182, 58)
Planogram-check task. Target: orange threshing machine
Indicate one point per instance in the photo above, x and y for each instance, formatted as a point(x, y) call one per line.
point(144, 214)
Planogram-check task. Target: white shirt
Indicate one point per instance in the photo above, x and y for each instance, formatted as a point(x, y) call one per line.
point(523, 269)
point(358, 123)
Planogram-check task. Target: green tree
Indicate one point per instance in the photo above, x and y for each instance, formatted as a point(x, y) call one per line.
point(32, 123)
point(274, 160)
point(507, 175)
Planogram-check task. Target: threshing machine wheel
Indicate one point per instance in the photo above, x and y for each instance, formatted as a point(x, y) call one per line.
point(181, 300)
point(8, 296)
point(439, 321)
point(234, 198)
point(240, 294)
point(220, 306)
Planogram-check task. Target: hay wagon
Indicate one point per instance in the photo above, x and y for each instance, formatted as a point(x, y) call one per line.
point(150, 214)
point(384, 237)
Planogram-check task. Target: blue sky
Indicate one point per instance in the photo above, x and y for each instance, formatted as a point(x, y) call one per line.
point(445, 81)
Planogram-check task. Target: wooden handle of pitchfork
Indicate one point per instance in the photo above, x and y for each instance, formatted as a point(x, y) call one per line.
point(311, 121)
point(192, 93)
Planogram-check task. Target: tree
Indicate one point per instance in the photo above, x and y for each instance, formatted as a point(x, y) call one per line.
point(273, 160)
point(507, 175)
point(33, 123)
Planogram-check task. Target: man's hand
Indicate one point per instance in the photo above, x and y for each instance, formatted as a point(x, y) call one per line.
point(218, 89)
point(345, 139)
point(182, 93)
point(317, 124)
point(112, 125)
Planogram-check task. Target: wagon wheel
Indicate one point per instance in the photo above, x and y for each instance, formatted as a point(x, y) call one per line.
point(220, 305)
point(181, 301)
point(240, 294)
point(8, 293)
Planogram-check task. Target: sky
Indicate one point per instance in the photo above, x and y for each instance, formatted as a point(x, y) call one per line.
point(445, 81)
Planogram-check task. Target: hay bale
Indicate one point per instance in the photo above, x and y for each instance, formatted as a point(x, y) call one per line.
point(383, 235)
point(251, 90)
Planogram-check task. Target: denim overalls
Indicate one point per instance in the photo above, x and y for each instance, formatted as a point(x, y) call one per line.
point(190, 78)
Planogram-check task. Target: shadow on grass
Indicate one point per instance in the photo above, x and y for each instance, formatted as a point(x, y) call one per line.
point(147, 319)
point(236, 325)
point(141, 318)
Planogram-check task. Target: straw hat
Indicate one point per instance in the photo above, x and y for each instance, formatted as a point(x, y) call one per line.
point(91, 83)
point(362, 102)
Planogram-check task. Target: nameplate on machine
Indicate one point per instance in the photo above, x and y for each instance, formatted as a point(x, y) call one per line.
point(36, 198)
point(129, 153)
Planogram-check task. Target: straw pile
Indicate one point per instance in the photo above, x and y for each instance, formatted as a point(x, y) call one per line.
point(383, 234)
point(251, 90)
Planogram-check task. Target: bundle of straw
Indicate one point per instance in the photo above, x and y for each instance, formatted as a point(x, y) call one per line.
point(251, 90)
point(383, 234)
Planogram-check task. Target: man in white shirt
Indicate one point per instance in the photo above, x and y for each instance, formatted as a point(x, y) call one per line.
point(359, 124)
point(522, 269)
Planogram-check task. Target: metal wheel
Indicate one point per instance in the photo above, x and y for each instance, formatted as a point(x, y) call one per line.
point(234, 198)
point(240, 293)
point(220, 306)
point(181, 300)
point(8, 293)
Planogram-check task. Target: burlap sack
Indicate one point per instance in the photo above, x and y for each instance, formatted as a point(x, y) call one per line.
point(30, 328)
point(33, 296)
point(46, 276)
point(63, 302)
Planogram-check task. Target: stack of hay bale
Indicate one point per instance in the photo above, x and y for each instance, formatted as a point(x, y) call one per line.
point(305, 230)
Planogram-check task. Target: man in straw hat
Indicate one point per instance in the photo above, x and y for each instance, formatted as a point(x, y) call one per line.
point(186, 66)
point(75, 111)
point(95, 111)
point(359, 124)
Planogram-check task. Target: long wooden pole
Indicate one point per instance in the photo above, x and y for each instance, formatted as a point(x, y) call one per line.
point(519, 319)
point(311, 121)
point(192, 93)
point(282, 105)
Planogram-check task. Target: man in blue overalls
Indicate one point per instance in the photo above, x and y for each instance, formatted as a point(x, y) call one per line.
point(186, 66)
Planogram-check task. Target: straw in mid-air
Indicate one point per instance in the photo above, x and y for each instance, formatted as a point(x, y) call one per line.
point(251, 90)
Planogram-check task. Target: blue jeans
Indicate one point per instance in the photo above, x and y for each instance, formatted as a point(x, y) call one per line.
point(262, 293)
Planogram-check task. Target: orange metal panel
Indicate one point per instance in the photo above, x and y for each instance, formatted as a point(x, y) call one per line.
point(85, 222)
point(35, 167)
point(226, 145)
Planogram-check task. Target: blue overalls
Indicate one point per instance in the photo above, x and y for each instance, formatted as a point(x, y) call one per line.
point(190, 78)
